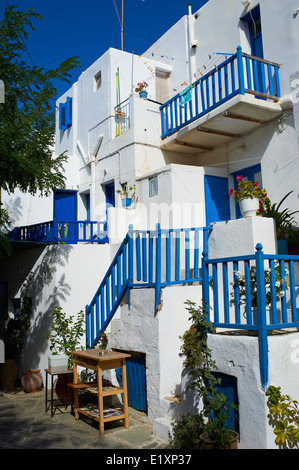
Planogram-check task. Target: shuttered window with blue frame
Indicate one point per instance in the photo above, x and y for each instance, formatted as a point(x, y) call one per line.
point(65, 114)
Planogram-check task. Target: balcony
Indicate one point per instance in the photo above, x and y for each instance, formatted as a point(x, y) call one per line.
point(233, 99)
point(65, 232)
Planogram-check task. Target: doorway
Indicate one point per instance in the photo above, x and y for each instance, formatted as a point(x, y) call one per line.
point(65, 210)
point(216, 199)
point(110, 202)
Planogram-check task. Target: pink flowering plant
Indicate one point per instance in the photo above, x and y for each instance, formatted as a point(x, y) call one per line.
point(248, 189)
point(141, 86)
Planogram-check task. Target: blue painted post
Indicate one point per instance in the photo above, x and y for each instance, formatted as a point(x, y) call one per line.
point(144, 258)
point(261, 313)
point(293, 290)
point(248, 293)
point(240, 70)
point(205, 275)
point(87, 327)
point(276, 70)
point(270, 79)
point(158, 267)
point(162, 120)
point(215, 292)
point(55, 231)
point(168, 256)
point(138, 258)
point(130, 260)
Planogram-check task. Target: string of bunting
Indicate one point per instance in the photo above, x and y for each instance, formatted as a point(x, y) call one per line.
point(211, 63)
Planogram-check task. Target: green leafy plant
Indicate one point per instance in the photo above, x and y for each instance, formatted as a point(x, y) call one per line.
point(27, 116)
point(66, 333)
point(15, 329)
point(186, 432)
point(198, 359)
point(103, 341)
point(284, 414)
point(124, 192)
point(280, 286)
point(284, 219)
point(248, 189)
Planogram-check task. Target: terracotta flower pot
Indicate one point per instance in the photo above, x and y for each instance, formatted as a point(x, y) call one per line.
point(32, 380)
point(210, 444)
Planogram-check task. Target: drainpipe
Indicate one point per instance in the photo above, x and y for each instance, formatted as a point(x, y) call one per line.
point(192, 44)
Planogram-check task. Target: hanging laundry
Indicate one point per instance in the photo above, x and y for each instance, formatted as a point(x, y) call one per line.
point(186, 95)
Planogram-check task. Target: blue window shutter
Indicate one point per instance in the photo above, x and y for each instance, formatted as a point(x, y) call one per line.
point(62, 116)
point(69, 103)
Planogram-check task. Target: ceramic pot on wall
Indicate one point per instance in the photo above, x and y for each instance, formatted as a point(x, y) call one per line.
point(249, 207)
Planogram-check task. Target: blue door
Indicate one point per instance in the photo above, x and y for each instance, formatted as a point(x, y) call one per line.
point(216, 199)
point(228, 386)
point(252, 173)
point(65, 210)
point(136, 380)
point(253, 18)
point(110, 202)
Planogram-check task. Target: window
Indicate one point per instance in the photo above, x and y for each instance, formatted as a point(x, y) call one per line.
point(65, 114)
point(153, 186)
point(98, 80)
point(162, 86)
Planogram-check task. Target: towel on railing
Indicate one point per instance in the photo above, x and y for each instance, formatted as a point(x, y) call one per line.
point(186, 95)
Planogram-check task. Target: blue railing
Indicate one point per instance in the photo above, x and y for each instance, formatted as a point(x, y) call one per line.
point(255, 292)
point(239, 74)
point(156, 258)
point(55, 231)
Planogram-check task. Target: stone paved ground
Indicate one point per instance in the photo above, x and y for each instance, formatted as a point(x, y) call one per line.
point(24, 424)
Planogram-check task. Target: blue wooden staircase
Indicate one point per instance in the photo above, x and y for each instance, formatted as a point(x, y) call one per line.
point(145, 259)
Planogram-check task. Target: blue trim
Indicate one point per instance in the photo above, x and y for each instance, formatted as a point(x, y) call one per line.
point(65, 114)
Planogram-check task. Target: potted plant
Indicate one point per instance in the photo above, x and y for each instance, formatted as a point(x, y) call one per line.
point(239, 282)
point(65, 335)
point(284, 414)
point(198, 359)
point(141, 89)
point(127, 194)
point(249, 196)
point(14, 336)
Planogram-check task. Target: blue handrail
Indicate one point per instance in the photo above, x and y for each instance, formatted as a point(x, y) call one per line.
point(146, 258)
point(239, 74)
point(55, 231)
point(264, 301)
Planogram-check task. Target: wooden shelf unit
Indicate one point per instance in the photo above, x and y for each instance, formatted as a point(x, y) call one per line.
point(96, 360)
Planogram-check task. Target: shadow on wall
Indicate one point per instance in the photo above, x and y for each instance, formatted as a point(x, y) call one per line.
point(15, 210)
point(57, 290)
point(183, 401)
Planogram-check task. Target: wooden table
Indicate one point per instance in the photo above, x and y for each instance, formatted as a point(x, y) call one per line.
point(99, 360)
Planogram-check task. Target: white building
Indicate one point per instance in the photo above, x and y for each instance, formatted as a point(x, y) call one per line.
point(241, 116)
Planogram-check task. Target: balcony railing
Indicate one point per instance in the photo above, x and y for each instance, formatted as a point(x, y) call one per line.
point(239, 74)
point(122, 118)
point(56, 231)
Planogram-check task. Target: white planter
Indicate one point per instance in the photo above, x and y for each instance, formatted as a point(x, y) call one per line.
point(58, 362)
point(248, 206)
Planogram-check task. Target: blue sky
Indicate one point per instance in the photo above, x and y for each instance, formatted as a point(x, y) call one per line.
point(87, 29)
